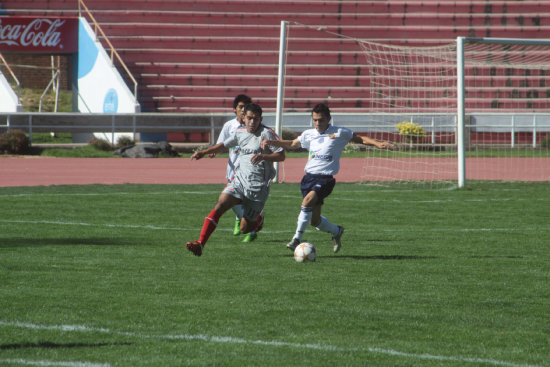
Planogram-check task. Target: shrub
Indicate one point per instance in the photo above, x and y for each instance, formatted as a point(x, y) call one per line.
point(125, 141)
point(351, 148)
point(288, 135)
point(14, 142)
point(410, 130)
point(100, 144)
point(545, 143)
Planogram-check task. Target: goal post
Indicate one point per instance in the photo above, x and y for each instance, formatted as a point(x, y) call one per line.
point(526, 60)
point(503, 105)
point(468, 110)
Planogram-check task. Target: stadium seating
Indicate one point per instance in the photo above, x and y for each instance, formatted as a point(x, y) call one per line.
point(194, 56)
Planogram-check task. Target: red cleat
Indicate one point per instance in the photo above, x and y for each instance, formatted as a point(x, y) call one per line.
point(195, 247)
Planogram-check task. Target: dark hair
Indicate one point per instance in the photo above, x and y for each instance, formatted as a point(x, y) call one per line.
point(241, 98)
point(322, 109)
point(253, 107)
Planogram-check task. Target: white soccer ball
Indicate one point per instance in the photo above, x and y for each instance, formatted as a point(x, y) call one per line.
point(305, 252)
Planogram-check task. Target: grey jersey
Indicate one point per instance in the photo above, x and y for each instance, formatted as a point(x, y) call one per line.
point(254, 178)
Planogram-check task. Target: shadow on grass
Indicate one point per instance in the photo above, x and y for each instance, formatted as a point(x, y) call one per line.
point(37, 242)
point(378, 257)
point(51, 345)
point(373, 257)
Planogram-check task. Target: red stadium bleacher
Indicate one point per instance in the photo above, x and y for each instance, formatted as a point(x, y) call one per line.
point(194, 56)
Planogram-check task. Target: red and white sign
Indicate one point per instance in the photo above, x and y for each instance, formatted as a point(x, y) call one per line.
point(38, 34)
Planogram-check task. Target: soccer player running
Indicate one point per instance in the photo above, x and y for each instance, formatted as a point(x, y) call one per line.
point(251, 182)
point(325, 144)
point(229, 129)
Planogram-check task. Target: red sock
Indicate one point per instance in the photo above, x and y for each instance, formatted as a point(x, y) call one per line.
point(210, 224)
point(259, 223)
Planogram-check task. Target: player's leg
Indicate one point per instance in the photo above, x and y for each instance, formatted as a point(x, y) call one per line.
point(238, 210)
point(253, 215)
point(304, 218)
point(323, 224)
point(225, 202)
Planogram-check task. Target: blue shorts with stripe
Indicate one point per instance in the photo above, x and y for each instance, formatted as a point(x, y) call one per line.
point(321, 184)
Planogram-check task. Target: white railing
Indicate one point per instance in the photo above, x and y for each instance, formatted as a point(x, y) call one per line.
point(296, 122)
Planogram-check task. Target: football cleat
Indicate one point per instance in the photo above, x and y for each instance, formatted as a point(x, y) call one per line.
point(250, 237)
point(237, 228)
point(195, 247)
point(337, 240)
point(293, 244)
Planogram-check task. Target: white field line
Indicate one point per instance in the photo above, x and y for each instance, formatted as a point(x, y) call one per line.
point(232, 340)
point(273, 195)
point(114, 193)
point(149, 227)
point(26, 362)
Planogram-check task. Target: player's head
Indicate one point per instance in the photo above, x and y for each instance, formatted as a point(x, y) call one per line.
point(320, 115)
point(252, 117)
point(238, 105)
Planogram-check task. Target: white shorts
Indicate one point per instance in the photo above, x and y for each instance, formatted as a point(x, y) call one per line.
point(253, 202)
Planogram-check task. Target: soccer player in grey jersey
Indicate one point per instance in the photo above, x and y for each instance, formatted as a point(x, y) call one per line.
point(228, 129)
point(325, 144)
point(252, 179)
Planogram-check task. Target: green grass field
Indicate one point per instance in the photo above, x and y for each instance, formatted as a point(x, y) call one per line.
point(97, 276)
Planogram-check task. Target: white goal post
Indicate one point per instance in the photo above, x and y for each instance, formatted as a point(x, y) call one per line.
point(474, 109)
point(530, 56)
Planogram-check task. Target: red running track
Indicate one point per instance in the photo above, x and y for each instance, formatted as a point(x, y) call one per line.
point(37, 171)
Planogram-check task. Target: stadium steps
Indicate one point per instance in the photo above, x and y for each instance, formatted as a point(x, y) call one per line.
point(211, 45)
point(299, 6)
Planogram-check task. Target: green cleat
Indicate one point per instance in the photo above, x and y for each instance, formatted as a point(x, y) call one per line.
point(237, 229)
point(249, 237)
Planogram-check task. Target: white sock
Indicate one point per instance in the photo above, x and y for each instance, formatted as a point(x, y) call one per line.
point(303, 220)
point(327, 226)
point(239, 211)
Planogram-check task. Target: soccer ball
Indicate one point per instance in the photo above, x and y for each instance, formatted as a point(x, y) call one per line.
point(305, 252)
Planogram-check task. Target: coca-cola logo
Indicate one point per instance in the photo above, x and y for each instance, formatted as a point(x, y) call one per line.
point(37, 33)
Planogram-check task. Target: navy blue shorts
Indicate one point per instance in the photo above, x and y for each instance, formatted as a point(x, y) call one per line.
point(321, 184)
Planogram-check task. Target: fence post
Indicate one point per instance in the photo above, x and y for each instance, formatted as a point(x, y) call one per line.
point(212, 141)
point(433, 130)
point(534, 131)
point(30, 129)
point(513, 140)
point(134, 127)
point(113, 130)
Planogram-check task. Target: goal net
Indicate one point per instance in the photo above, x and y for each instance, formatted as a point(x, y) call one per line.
point(413, 98)
point(413, 95)
point(505, 110)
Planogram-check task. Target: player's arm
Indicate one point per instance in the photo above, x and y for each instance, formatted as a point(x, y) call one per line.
point(370, 141)
point(272, 157)
point(218, 148)
point(223, 135)
point(285, 144)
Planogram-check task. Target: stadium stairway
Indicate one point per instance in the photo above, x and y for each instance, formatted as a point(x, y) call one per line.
point(195, 56)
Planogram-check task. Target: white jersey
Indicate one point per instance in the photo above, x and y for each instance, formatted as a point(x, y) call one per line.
point(228, 130)
point(325, 149)
point(254, 178)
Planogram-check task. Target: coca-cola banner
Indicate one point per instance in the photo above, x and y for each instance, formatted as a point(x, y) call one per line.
point(38, 34)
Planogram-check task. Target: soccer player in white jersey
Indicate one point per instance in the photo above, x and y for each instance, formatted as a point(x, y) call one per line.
point(251, 182)
point(325, 144)
point(229, 129)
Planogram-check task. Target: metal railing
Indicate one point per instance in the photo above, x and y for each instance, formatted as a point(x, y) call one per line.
point(535, 124)
point(133, 123)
